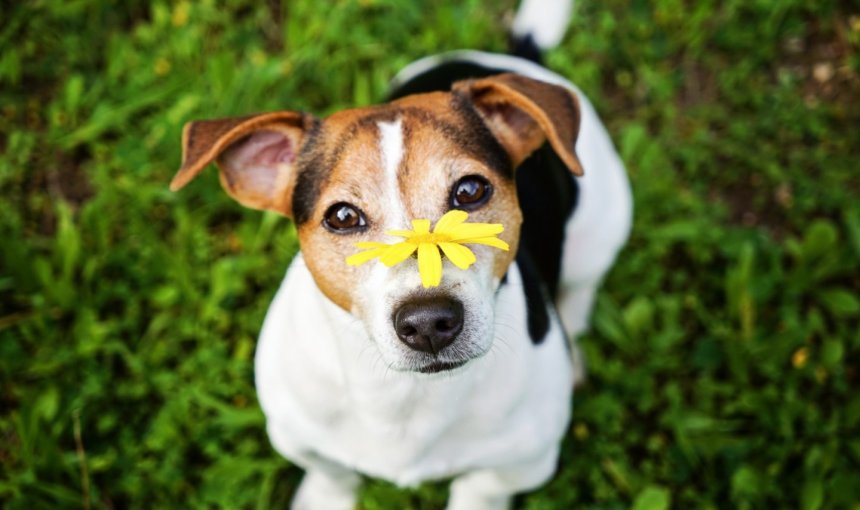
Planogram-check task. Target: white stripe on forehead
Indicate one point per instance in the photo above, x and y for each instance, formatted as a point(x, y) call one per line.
point(391, 146)
point(391, 142)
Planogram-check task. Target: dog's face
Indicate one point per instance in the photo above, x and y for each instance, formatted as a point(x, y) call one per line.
point(361, 172)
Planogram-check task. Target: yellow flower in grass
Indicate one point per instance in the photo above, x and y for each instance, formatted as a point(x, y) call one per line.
point(449, 235)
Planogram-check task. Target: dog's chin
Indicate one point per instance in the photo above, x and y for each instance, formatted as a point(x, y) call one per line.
point(449, 364)
point(437, 367)
point(431, 365)
point(455, 359)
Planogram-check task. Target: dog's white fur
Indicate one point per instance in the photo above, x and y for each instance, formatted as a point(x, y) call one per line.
point(335, 406)
point(391, 134)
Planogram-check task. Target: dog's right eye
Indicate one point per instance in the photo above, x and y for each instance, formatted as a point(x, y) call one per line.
point(343, 218)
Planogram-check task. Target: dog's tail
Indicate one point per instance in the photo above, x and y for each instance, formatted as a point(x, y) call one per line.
point(539, 25)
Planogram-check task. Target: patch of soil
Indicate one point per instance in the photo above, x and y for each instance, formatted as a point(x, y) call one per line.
point(752, 206)
point(822, 60)
point(58, 176)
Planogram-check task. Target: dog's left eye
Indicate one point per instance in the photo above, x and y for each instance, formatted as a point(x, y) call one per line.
point(343, 218)
point(471, 192)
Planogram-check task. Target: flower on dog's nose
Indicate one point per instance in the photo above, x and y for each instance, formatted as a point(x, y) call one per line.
point(449, 235)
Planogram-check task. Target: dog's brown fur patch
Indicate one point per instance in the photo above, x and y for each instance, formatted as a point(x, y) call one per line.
point(434, 159)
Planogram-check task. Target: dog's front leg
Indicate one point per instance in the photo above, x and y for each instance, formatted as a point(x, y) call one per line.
point(494, 488)
point(327, 486)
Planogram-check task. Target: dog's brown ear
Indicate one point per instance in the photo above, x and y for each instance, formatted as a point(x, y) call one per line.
point(256, 155)
point(523, 113)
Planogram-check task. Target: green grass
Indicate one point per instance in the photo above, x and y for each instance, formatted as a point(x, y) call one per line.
point(725, 354)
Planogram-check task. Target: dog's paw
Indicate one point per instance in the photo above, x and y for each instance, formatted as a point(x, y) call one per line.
point(463, 500)
point(320, 492)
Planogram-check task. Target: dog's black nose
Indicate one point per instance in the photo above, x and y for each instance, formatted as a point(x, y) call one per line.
point(429, 324)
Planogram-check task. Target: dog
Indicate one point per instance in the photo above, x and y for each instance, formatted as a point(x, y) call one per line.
point(362, 370)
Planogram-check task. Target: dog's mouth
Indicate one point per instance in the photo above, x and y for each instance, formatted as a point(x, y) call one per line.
point(441, 366)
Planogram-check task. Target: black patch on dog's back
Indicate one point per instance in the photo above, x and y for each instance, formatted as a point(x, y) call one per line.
point(441, 77)
point(525, 47)
point(548, 195)
point(537, 300)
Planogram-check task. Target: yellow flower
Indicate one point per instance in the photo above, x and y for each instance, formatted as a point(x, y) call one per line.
point(800, 357)
point(449, 235)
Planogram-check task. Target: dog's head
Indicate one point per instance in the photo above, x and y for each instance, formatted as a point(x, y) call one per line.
point(354, 175)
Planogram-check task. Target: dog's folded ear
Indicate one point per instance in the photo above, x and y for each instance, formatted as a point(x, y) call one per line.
point(256, 155)
point(523, 114)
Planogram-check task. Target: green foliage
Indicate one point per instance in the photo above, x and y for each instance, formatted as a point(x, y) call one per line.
point(724, 358)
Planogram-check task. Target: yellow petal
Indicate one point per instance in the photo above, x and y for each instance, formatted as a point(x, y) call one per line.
point(458, 254)
point(495, 242)
point(421, 227)
point(397, 253)
point(400, 233)
point(360, 258)
point(429, 265)
point(473, 230)
point(364, 245)
point(450, 220)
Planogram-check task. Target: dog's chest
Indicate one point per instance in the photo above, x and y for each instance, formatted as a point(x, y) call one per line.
point(325, 389)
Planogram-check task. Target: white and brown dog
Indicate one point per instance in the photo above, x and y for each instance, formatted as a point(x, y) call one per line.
point(360, 370)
